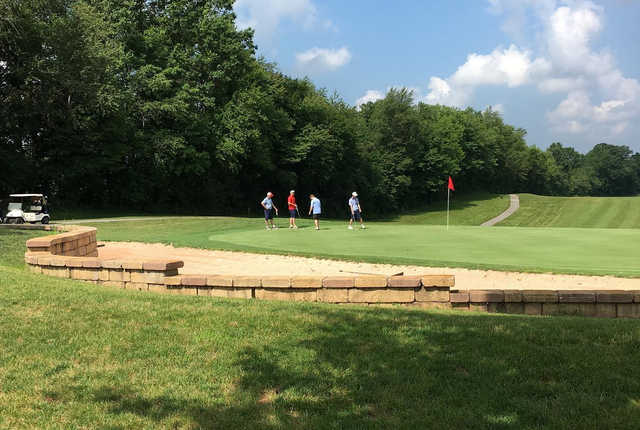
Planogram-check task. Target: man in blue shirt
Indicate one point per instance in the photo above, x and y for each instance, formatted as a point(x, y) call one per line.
point(268, 206)
point(356, 211)
point(316, 209)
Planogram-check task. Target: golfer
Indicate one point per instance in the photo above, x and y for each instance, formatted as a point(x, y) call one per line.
point(356, 210)
point(268, 206)
point(293, 209)
point(315, 209)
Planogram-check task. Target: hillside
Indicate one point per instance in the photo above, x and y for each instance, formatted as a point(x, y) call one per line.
point(584, 212)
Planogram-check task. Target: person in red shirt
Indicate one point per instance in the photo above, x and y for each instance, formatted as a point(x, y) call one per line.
point(293, 209)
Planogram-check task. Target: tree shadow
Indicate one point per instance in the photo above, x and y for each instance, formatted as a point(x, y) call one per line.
point(381, 368)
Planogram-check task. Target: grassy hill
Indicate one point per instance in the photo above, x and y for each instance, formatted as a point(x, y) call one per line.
point(75, 355)
point(465, 209)
point(586, 212)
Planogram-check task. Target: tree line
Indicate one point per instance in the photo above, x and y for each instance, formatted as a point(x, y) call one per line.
point(163, 105)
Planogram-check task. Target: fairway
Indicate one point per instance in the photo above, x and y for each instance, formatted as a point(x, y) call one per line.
point(559, 250)
point(588, 212)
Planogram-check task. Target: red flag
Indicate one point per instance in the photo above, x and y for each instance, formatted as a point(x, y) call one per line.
point(451, 184)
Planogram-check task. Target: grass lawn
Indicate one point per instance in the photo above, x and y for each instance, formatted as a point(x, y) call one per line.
point(75, 355)
point(560, 250)
point(465, 209)
point(598, 212)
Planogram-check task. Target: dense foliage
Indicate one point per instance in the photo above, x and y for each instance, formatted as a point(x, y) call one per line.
point(163, 105)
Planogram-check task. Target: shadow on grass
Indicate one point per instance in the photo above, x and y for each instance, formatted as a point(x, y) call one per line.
point(364, 368)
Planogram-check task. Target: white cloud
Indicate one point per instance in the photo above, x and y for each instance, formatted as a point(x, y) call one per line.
point(369, 96)
point(323, 59)
point(599, 100)
point(265, 16)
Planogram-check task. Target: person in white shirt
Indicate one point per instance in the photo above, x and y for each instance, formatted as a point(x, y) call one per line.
point(268, 206)
point(316, 208)
point(356, 210)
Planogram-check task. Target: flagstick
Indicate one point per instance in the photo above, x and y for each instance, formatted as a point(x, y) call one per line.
point(448, 194)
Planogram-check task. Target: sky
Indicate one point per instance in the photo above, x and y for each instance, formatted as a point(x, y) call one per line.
point(566, 71)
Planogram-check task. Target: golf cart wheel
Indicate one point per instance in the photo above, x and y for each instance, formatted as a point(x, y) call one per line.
point(45, 220)
point(19, 221)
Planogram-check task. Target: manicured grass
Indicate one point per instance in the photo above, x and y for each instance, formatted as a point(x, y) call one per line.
point(560, 250)
point(76, 355)
point(598, 212)
point(465, 209)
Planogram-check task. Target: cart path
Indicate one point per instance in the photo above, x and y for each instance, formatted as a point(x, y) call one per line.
point(514, 205)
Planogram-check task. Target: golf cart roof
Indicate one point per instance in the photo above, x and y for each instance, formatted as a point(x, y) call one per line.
point(26, 195)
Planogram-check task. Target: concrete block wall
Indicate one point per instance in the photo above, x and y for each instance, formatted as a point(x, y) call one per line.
point(77, 242)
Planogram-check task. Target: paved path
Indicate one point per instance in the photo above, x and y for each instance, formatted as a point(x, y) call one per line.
point(514, 205)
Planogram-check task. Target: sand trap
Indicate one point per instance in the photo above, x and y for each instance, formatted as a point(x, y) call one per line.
point(199, 261)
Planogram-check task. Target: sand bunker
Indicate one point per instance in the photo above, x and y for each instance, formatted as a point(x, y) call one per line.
point(199, 261)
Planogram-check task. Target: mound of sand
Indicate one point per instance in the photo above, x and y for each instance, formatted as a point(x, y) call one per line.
point(199, 261)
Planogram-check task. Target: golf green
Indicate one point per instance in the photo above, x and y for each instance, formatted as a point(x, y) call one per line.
point(531, 249)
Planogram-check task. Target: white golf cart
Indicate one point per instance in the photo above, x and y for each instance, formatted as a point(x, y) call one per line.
point(31, 208)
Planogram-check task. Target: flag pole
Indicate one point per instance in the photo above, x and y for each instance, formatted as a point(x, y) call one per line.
point(448, 194)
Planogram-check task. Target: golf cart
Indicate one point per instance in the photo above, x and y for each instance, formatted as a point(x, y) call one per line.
point(31, 208)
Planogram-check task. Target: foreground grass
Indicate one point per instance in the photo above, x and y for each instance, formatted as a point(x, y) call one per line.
point(75, 355)
point(559, 250)
point(587, 212)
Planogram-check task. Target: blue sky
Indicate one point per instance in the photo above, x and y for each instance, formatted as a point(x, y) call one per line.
point(565, 71)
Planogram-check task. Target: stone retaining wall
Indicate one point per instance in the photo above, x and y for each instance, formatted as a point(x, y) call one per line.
point(73, 255)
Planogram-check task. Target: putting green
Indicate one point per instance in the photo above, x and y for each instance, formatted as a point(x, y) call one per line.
point(532, 249)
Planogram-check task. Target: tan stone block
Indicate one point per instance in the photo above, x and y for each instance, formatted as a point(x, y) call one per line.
point(432, 294)
point(82, 251)
point(116, 275)
point(576, 296)
point(572, 309)
point(72, 261)
point(478, 307)
point(276, 282)
point(39, 242)
point(459, 296)
point(194, 281)
point(136, 286)
point(113, 284)
point(306, 282)
point(147, 277)
point(461, 306)
point(83, 240)
point(246, 281)
point(381, 295)
point(58, 261)
point(30, 258)
point(104, 275)
point(431, 305)
point(612, 296)
point(287, 294)
point(92, 253)
point(338, 282)
point(230, 293)
point(497, 308)
point(39, 250)
point(160, 289)
point(91, 263)
point(533, 308)
point(438, 281)
point(189, 291)
point(606, 310)
point(85, 274)
point(112, 264)
point(514, 308)
point(161, 265)
point(486, 296)
point(58, 272)
point(45, 260)
point(404, 281)
point(69, 246)
point(174, 289)
point(539, 296)
point(219, 281)
point(512, 296)
point(636, 296)
point(132, 264)
point(35, 269)
point(628, 310)
point(174, 281)
point(92, 247)
point(370, 281)
point(333, 295)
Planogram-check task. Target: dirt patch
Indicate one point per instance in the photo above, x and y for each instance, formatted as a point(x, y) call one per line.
point(200, 261)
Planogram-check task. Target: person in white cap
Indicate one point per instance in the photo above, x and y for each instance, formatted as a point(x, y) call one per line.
point(293, 209)
point(356, 210)
point(268, 206)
